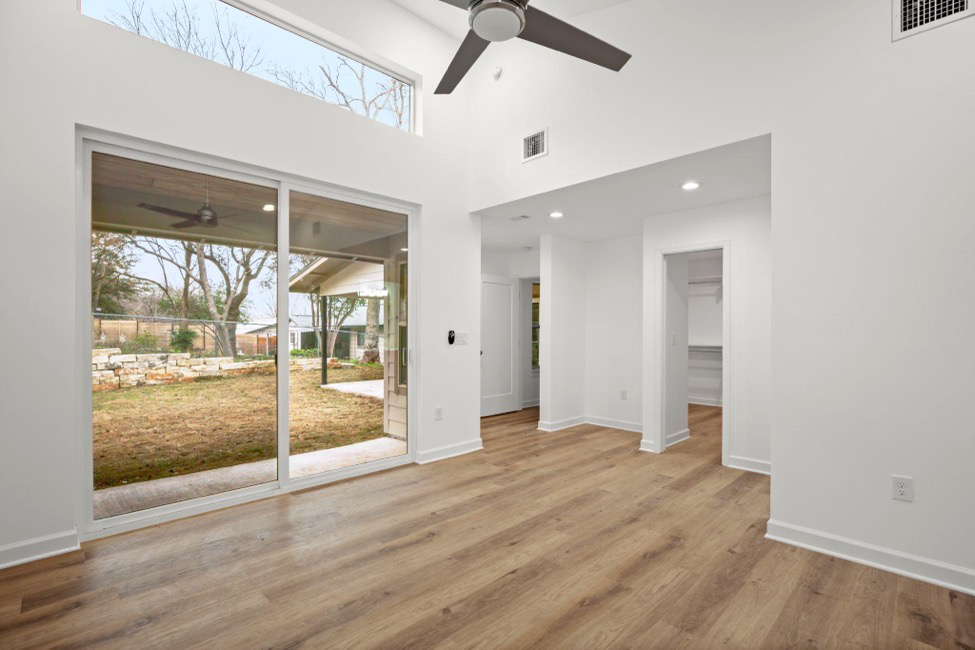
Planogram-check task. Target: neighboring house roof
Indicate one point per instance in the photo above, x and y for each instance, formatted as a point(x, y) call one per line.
point(299, 322)
point(303, 323)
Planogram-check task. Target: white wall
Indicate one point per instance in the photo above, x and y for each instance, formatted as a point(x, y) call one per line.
point(873, 355)
point(511, 264)
point(562, 342)
point(81, 71)
point(704, 307)
point(745, 226)
point(675, 348)
point(614, 345)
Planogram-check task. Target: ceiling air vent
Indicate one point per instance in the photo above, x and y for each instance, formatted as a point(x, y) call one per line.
point(913, 16)
point(534, 146)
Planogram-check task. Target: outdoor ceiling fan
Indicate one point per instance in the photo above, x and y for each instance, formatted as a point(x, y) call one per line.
point(205, 216)
point(502, 20)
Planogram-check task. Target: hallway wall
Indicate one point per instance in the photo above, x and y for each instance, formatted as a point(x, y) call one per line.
point(614, 344)
point(563, 323)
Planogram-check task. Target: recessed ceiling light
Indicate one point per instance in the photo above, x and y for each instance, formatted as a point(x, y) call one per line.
point(556, 215)
point(269, 207)
point(690, 185)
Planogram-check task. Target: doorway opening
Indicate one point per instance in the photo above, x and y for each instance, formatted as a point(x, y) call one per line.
point(694, 341)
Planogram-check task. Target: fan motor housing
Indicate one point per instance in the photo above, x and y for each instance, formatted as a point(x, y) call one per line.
point(497, 20)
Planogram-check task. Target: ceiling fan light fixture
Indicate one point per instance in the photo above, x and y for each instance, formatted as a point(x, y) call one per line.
point(497, 20)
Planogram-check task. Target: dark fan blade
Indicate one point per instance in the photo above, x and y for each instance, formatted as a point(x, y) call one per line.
point(169, 211)
point(472, 47)
point(549, 31)
point(184, 224)
point(460, 4)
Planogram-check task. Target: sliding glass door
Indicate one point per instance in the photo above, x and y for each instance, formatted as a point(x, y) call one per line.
point(191, 397)
point(347, 327)
point(184, 398)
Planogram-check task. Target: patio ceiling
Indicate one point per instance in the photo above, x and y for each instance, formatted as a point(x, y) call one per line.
point(318, 224)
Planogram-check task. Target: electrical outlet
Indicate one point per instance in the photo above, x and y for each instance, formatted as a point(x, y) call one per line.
point(903, 488)
point(622, 394)
point(438, 413)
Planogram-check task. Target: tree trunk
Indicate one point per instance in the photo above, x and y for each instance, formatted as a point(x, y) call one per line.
point(225, 339)
point(371, 354)
point(185, 306)
point(333, 337)
point(225, 346)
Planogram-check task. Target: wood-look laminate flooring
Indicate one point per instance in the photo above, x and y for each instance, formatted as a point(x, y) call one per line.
point(571, 539)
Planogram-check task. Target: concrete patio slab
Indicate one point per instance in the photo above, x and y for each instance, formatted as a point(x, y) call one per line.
point(368, 388)
point(124, 499)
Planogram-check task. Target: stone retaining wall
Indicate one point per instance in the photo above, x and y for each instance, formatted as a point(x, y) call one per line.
point(110, 369)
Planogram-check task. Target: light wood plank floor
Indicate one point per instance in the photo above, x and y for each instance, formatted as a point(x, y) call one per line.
point(543, 540)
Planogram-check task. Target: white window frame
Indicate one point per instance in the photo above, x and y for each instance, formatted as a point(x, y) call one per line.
point(317, 34)
point(89, 141)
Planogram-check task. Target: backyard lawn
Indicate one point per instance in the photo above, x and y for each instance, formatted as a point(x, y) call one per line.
point(152, 432)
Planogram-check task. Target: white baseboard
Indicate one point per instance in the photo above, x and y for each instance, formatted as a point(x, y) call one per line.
point(649, 445)
point(448, 451)
point(529, 404)
point(912, 566)
point(609, 423)
point(38, 548)
point(635, 427)
point(704, 401)
point(678, 436)
point(750, 464)
point(558, 425)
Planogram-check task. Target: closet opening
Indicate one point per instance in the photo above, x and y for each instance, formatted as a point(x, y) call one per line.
point(694, 342)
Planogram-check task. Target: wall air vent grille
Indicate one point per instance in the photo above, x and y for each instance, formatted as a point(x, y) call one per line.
point(534, 146)
point(913, 16)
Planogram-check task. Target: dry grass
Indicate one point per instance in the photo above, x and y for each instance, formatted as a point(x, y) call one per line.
point(151, 432)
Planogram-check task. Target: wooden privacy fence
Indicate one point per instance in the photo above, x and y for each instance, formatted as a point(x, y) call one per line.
point(113, 332)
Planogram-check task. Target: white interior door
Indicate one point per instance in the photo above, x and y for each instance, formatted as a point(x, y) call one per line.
point(500, 390)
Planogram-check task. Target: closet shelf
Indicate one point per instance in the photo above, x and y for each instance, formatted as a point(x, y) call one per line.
point(711, 279)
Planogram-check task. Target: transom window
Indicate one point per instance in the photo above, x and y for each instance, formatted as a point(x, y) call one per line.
point(221, 32)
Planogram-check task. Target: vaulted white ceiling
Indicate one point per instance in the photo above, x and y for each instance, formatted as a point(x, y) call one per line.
point(453, 21)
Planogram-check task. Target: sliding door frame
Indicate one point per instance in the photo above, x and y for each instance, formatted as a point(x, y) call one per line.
point(89, 141)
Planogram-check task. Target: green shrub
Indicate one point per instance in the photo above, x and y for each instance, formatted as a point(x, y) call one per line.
point(305, 353)
point(182, 340)
point(141, 344)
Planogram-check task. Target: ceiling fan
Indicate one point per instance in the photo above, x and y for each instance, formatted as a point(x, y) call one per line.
point(502, 20)
point(205, 216)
